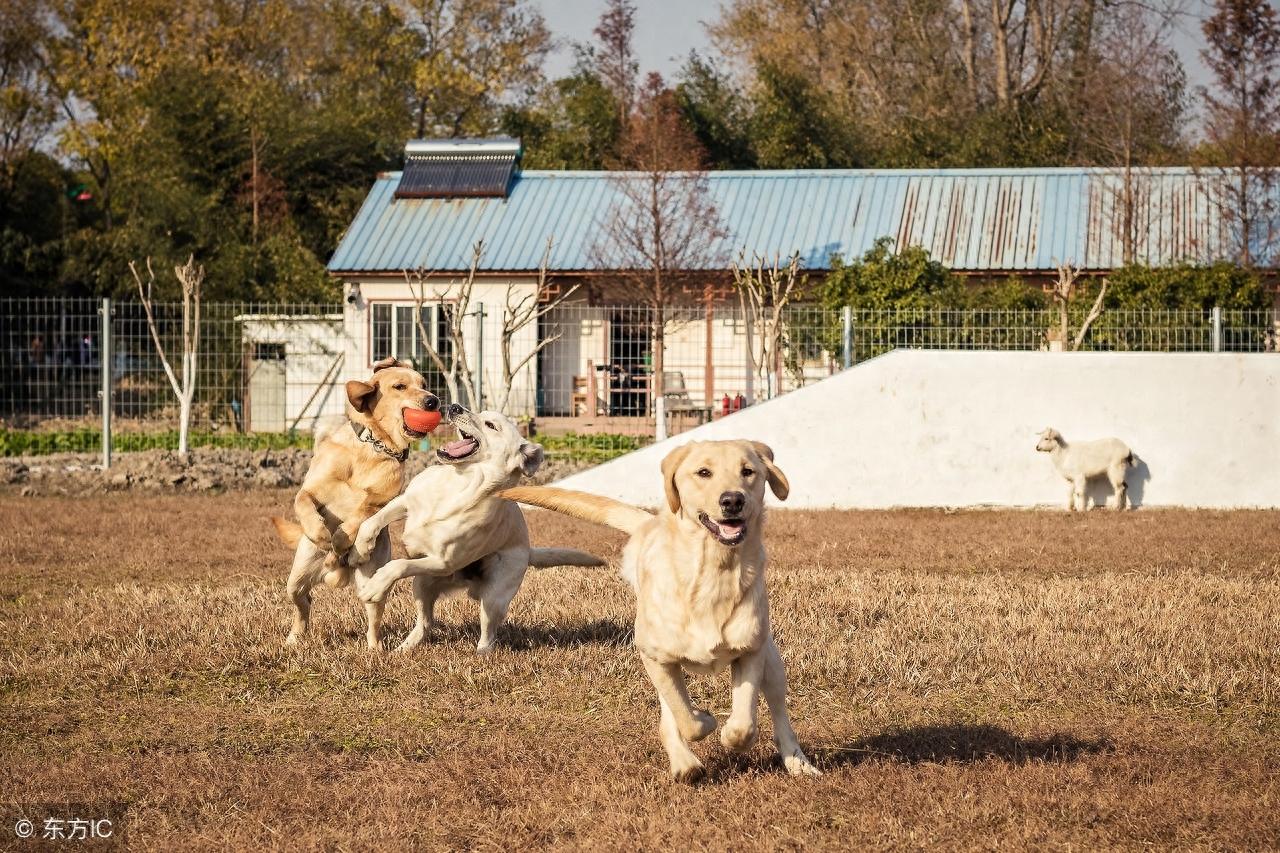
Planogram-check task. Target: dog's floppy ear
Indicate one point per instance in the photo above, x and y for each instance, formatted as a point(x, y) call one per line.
point(360, 395)
point(390, 361)
point(670, 465)
point(532, 454)
point(777, 480)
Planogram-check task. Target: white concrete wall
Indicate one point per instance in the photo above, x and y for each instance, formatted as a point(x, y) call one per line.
point(918, 428)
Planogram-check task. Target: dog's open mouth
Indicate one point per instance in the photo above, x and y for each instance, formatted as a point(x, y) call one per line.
point(730, 531)
point(460, 449)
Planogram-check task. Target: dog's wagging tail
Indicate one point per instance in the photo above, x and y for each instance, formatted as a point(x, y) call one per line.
point(539, 558)
point(582, 505)
point(290, 532)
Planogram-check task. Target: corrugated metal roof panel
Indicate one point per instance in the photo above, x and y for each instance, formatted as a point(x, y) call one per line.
point(978, 220)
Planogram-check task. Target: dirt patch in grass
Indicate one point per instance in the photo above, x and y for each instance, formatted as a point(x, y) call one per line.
point(965, 681)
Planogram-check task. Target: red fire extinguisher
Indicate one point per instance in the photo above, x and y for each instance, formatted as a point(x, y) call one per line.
point(738, 402)
point(724, 406)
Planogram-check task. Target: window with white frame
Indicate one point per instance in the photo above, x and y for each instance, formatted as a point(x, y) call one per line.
point(393, 331)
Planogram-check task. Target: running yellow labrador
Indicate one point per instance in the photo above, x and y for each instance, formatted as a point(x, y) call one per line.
point(701, 604)
point(356, 471)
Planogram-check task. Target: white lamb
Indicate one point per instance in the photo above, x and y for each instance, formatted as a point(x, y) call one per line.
point(1084, 459)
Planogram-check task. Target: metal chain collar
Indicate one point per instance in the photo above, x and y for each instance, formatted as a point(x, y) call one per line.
point(363, 433)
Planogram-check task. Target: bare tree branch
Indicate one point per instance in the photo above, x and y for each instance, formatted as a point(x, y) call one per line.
point(764, 291)
point(1094, 313)
point(418, 288)
point(519, 313)
point(191, 278)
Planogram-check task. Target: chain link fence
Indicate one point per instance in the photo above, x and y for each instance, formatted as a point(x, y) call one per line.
point(272, 369)
point(259, 368)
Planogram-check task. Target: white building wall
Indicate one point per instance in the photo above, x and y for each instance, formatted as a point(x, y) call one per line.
point(494, 294)
point(917, 428)
point(584, 342)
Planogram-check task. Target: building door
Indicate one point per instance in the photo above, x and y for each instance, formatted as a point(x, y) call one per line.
point(629, 362)
point(267, 389)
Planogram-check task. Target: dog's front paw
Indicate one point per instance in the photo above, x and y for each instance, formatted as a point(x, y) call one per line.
point(687, 772)
point(700, 725)
point(738, 738)
point(374, 590)
point(411, 642)
point(360, 551)
point(798, 765)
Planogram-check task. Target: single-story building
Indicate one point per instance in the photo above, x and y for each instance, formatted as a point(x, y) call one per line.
point(294, 369)
point(454, 193)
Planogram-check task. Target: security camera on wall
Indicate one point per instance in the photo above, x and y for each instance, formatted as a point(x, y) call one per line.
point(353, 294)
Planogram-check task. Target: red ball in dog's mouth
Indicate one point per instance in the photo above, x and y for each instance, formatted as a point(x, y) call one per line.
point(421, 421)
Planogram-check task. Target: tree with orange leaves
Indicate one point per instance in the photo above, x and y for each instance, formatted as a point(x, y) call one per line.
point(662, 229)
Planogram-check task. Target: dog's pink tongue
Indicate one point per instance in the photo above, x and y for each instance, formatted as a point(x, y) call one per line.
point(730, 528)
point(455, 448)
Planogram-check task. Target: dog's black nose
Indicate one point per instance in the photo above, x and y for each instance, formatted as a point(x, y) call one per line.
point(455, 410)
point(431, 403)
point(731, 503)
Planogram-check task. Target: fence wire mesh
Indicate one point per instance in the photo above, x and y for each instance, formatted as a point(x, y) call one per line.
point(252, 361)
point(275, 368)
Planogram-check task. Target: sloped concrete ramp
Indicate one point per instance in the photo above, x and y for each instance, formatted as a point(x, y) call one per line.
point(917, 428)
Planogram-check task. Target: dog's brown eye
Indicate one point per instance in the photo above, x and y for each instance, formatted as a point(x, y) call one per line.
point(704, 472)
point(399, 387)
point(490, 425)
point(747, 472)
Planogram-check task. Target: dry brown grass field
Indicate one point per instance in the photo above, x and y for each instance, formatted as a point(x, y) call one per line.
point(965, 681)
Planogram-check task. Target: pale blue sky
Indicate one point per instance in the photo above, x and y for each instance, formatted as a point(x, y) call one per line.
point(666, 30)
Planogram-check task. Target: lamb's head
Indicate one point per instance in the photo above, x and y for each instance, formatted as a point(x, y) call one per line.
point(1050, 440)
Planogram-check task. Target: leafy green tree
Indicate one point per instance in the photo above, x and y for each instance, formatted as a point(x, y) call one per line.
point(468, 55)
point(572, 124)
point(246, 134)
point(796, 125)
point(35, 215)
point(717, 112)
point(27, 106)
point(1012, 293)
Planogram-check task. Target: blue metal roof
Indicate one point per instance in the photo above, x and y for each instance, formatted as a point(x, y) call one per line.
point(975, 220)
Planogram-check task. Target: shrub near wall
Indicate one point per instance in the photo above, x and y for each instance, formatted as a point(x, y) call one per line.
point(908, 299)
point(1186, 287)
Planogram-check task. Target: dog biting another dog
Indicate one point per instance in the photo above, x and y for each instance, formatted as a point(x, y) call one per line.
point(697, 568)
point(459, 533)
point(357, 468)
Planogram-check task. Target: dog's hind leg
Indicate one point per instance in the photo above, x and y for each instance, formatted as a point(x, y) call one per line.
point(774, 687)
point(426, 590)
point(373, 609)
point(308, 560)
point(503, 573)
